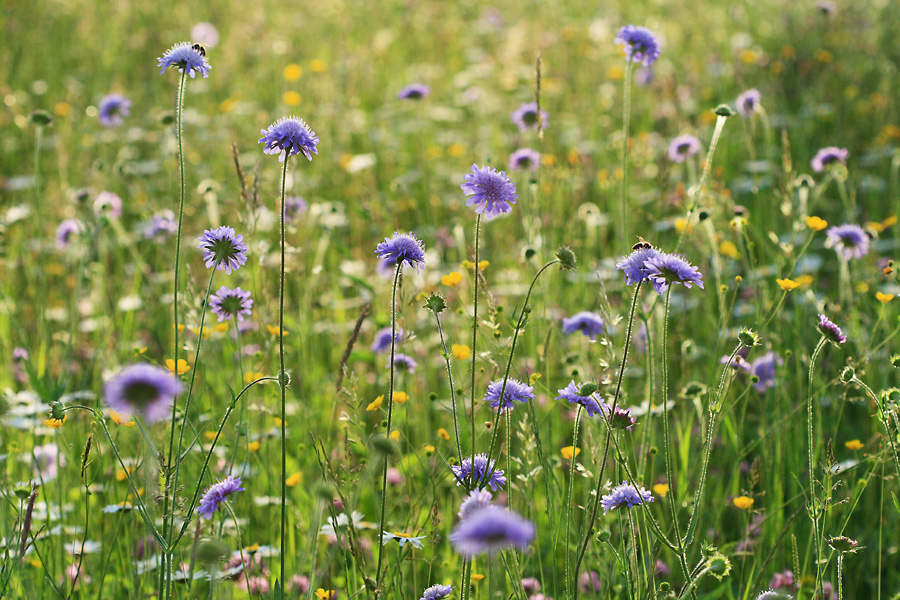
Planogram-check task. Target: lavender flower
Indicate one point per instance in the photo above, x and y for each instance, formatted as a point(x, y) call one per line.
point(382, 341)
point(526, 116)
point(573, 393)
point(402, 247)
point(848, 240)
point(476, 500)
point(829, 156)
point(764, 368)
point(436, 592)
point(747, 102)
point(664, 270)
point(109, 204)
point(185, 56)
point(625, 495)
point(491, 529)
point(588, 323)
point(142, 389)
point(641, 46)
point(514, 391)
point(161, 226)
point(524, 158)
point(288, 136)
point(414, 91)
point(831, 331)
point(224, 249)
point(215, 495)
point(635, 265)
point(683, 147)
point(67, 228)
point(491, 191)
point(229, 303)
point(112, 108)
point(404, 362)
point(473, 470)
point(294, 206)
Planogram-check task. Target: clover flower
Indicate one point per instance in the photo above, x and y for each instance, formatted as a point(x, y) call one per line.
point(288, 136)
point(183, 56)
point(831, 331)
point(526, 116)
point(573, 393)
point(634, 266)
point(112, 108)
point(142, 389)
point(664, 270)
point(229, 303)
point(473, 469)
point(829, 156)
point(625, 495)
point(683, 147)
point(588, 323)
point(414, 91)
point(515, 390)
point(524, 158)
point(747, 102)
point(491, 191)
point(848, 240)
point(490, 530)
point(215, 495)
point(224, 249)
point(402, 247)
point(641, 46)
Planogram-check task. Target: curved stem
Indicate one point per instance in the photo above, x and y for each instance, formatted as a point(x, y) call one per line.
point(437, 319)
point(629, 69)
point(282, 376)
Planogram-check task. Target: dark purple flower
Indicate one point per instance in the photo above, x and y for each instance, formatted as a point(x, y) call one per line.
point(573, 393)
point(476, 500)
point(588, 323)
point(625, 495)
point(473, 470)
point(223, 249)
point(142, 389)
point(402, 247)
point(404, 362)
point(747, 102)
point(161, 226)
point(491, 529)
point(524, 158)
point(112, 108)
point(229, 303)
point(67, 228)
point(215, 495)
point(641, 46)
point(829, 156)
point(683, 147)
point(831, 331)
point(526, 116)
point(664, 270)
point(414, 91)
point(294, 206)
point(635, 265)
point(185, 56)
point(109, 204)
point(288, 136)
point(848, 240)
point(621, 418)
point(382, 341)
point(436, 592)
point(764, 368)
point(514, 390)
point(491, 191)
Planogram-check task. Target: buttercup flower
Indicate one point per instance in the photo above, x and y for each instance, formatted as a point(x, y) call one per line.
point(829, 156)
point(224, 249)
point(588, 323)
point(402, 247)
point(526, 116)
point(112, 108)
point(514, 390)
point(288, 136)
point(491, 191)
point(215, 495)
point(625, 495)
point(849, 241)
point(185, 55)
point(473, 469)
point(229, 303)
point(142, 389)
point(641, 46)
point(683, 147)
point(491, 529)
point(414, 91)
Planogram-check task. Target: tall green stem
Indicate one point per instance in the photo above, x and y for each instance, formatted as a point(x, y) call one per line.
point(570, 492)
point(629, 70)
point(282, 376)
point(813, 509)
point(475, 327)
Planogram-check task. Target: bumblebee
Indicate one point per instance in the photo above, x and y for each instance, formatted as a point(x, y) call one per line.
point(199, 49)
point(642, 244)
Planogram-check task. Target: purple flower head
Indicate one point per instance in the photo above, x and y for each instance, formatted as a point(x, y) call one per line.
point(402, 247)
point(491, 191)
point(572, 393)
point(635, 265)
point(382, 341)
point(827, 8)
point(764, 368)
point(215, 495)
point(142, 389)
point(436, 592)
point(224, 249)
point(848, 240)
point(524, 158)
point(414, 91)
point(229, 303)
point(300, 584)
point(589, 581)
point(588, 323)
point(491, 529)
point(185, 55)
point(641, 46)
point(476, 500)
point(747, 102)
point(782, 580)
point(739, 362)
point(526, 116)
point(294, 206)
point(683, 147)
point(661, 569)
point(515, 390)
point(621, 418)
point(109, 204)
point(404, 363)
point(831, 331)
point(161, 226)
point(770, 595)
point(530, 585)
point(664, 270)
point(67, 228)
point(625, 495)
point(112, 108)
point(288, 136)
point(829, 156)
point(19, 354)
point(206, 34)
point(473, 470)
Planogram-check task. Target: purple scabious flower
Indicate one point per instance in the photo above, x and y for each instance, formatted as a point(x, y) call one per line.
point(625, 495)
point(747, 102)
point(526, 116)
point(764, 368)
point(588, 323)
point(473, 470)
point(414, 91)
point(491, 191)
point(476, 500)
point(112, 108)
point(161, 226)
point(288, 136)
point(67, 228)
point(620, 418)
point(491, 529)
point(572, 393)
point(402, 247)
point(848, 240)
point(436, 592)
point(683, 147)
point(664, 270)
point(641, 46)
point(224, 249)
point(530, 585)
point(185, 56)
point(829, 156)
point(404, 362)
point(382, 341)
point(515, 390)
point(635, 265)
point(831, 331)
point(294, 206)
point(524, 158)
point(215, 495)
point(142, 389)
point(109, 204)
point(229, 303)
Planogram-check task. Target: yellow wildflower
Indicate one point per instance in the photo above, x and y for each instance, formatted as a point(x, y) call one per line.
point(183, 367)
point(787, 284)
point(853, 445)
point(661, 489)
point(452, 279)
point(375, 404)
point(816, 223)
point(569, 451)
point(461, 352)
point(743, 502)
point(294, 479)
point(884, 298)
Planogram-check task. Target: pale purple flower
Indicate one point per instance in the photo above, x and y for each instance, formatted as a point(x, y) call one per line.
point(747, 102)
point(229, 303)
point(223, 248)
point(294, 207)
point(526, 116)
point(436, 592)
point(109, 204)
point(683, 147)
point(641, 46)
point(829, 156)
point(215, 495)
point(161, 226)
point(514, 390)
point(288, 136)
point(402, 247)
point(474, 469)
point(404, 363)
point(620, 418)
point(625, 495)
point(206, 34)
point(142, 389)
point(414, 91)
point(664, 270)
point(491, 191)
point(589, 581)
point(572, 393)
point(67, 228)
point(764, 368)
point(588, 323)
point(382, 341)
point(524, 158)
point(185, 56)
point(112, 108)
point(634, 266)
point(476, 500)
point(530, 585)
point(848, 240)
point(490, 530)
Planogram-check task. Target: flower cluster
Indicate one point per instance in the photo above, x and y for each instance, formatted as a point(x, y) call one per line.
point(142, 389)
point(474, 469)
point(288, 136)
